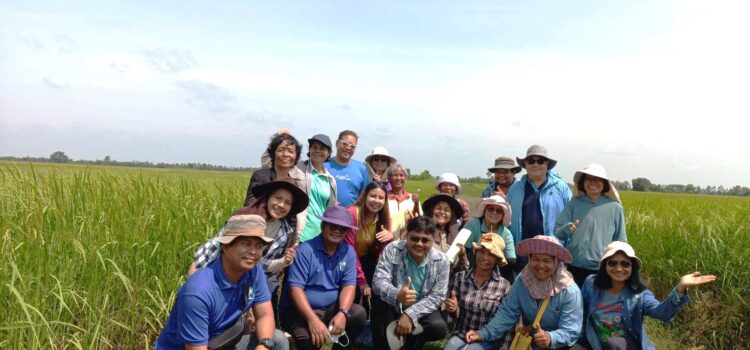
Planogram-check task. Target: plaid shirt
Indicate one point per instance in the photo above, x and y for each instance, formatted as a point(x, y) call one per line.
point(208, 252)
point(391, 273)
point(477, 305)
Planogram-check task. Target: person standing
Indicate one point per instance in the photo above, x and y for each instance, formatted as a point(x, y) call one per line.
point(320, 185)
point(505, 171)
point(351, 175)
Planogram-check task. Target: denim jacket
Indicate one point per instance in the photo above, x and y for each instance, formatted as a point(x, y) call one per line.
point(555, 195)
point(391, 273)
point(635, 305)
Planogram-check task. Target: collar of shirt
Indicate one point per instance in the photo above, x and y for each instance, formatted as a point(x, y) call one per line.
point(221, 278)
point(405, 195)
point(317, 244)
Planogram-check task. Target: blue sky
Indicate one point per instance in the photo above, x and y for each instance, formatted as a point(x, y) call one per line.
point(647, 88)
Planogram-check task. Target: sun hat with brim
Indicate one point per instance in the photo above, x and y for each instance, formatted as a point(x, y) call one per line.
point(618, 246)
point(505, 163)
point(324, 139)
point(394, 341)
point(547, 245)
point(493, 200)
point(596, 170)
point(244, 226)
point(536, 150)
point(495, 244)
point(380, 151)
point(430, 203)
point(338, 216)
point(450, 178)
point(299, 197)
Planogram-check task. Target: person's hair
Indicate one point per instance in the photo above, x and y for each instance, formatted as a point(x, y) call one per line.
point(604, 282)
point(392, 169)
point(324, 145)
point(276, 140)
point(382, 216)
point(581, 188)
point(421, 224)
point(348, 132)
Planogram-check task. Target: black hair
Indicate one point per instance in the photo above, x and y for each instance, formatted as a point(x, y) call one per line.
point(421, 224)
point(350, 133)
point(276, 140)
point(382, 216)
point(581, 188)
point(604, 282)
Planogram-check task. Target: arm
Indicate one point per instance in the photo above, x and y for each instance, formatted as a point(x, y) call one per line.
point(431, 301)
point(506, 315)
point(381, 280)
point(510, 246)
point(620, 226)
point(571, 319)
point(563, 222)
point(666, 309)
point(264, 320)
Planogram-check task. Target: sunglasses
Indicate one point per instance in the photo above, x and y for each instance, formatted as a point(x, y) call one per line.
point(624, 263)
point(494, 210)
point(380, 159)
point(347, 144)
point(539, 161)
point(424, 240)
point(338, 228)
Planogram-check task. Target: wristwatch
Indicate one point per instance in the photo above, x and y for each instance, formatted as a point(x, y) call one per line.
point(346, 313)
point(267, 342)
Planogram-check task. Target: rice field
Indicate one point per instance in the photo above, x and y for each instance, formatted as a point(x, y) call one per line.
point(92, 257)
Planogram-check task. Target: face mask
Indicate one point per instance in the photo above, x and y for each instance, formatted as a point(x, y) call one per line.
point(335, 338)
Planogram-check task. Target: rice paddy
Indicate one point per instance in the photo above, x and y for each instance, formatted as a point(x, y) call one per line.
point(92, 257)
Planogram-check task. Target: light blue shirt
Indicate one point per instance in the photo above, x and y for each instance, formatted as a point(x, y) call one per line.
point(562, 319)
point(555, 195)
point(351, 180)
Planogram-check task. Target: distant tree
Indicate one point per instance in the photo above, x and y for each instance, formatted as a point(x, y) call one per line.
point(622, 185)
point(107, 159)
point(59, 157)
point(641, 184)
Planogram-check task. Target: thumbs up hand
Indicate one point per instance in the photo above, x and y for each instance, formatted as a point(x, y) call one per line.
point(574, 226)
point(406, 296)
point(384, 235)
point(542, 338)
point(451, 303)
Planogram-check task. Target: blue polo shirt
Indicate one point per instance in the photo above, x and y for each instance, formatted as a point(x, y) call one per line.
point(320, 275)
point(208, 303)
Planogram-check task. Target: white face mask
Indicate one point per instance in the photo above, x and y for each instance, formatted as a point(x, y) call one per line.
point(335, 338)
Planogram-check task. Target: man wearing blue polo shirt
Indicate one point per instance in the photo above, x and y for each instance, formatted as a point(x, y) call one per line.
point(318, 299)
point(351, 175)
point(214, 299)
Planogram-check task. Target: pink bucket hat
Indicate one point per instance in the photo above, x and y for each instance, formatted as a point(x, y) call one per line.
point(546, 245)
point(493, 200)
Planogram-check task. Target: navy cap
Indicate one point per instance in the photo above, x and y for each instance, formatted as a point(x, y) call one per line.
point(322, 139)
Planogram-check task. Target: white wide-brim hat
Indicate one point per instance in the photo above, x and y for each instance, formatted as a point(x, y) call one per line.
point(450, 178)
point(380, 151)
point(618, 246)
point(493, 200)
point(596, 170)
point(394, 343)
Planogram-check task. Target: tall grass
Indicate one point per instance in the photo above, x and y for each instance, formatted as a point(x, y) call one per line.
point(92, 257)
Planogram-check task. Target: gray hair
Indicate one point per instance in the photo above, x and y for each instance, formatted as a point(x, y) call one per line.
point(393, 167)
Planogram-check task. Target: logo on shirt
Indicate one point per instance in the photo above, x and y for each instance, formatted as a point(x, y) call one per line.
point(342, 265)
point(344, 177)
point(250, 295)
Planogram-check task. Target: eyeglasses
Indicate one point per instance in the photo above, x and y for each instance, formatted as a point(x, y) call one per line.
point(338, 228)
point(347, 144)
point(624, 263)
point(380, 158)
point(424, 240)
point(494, 210)
point(537, 160)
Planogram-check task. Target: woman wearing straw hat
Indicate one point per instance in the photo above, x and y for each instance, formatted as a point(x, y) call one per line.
point(593, 219)
point(377, 162)
point(615, 301)
point(482, 290)
point(544, 278)
point(492, 215)
point(447, 183)
point(402, 205)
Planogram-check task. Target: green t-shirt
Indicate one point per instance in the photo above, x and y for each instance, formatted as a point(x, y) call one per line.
point(417, 272)
point(320, 193)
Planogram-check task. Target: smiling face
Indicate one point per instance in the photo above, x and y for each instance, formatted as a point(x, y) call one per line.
point(333, 234)
point(441, 213)
point(345, 147)
point(593, 185)
point(542, 266)
point(504, 177)
point(535, 170)
point(419, 244)
point(285, 155)
point(279, 203)
point(243, 253)
point(486, 261)
point(375, 200)
point(493, 215)
point(448, 188)
point(319, 153)
point(615, 269)
point(397, 179)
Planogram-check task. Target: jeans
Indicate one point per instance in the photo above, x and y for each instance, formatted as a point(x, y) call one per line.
point(456, 343)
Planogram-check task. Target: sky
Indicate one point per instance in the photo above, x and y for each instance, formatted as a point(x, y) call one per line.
point(655, 89)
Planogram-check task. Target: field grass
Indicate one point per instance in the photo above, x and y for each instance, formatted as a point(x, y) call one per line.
point(92, 257)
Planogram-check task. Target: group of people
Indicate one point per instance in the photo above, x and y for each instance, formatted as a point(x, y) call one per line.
point(315, 237)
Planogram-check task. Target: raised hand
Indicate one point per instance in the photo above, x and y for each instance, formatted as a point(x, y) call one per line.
point(542, 338)
point(499, 192)
point(574, 226)
point(289, 254)
point(692, 280)
point(384, 235)
point(415, 196)
point(405, 295)
point(451, 304)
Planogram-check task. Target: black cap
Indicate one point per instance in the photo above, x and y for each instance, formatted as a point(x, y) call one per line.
point(322, 139)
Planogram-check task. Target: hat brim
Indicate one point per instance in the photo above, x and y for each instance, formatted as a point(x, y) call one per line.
point(550, 165)
point(501, 261)
point(430, 203)
point(479, 210)
point(540, 246)
point(516, 169)
point(300, 200)
point(337, 222)
point(391, 159)
point(311, 140)
point(226, 239)
point(611, 253)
